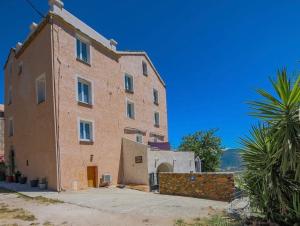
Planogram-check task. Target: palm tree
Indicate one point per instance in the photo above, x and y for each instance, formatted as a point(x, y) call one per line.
point(272, 152)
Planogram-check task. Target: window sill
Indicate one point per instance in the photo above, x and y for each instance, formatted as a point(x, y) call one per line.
point(145, 74)
point(84, 62)
point(157, 126)
point(129, 91)
point(41, 102)
point(85, 104)
point(132, 118)
point(86, 142)
point(156, 103)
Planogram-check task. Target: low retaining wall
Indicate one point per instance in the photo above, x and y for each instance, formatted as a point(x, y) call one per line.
point(216, 186)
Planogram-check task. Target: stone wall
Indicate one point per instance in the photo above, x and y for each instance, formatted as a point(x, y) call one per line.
point(216, 186)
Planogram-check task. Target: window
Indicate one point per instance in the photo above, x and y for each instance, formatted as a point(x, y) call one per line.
point(130, 110)
point(84, 91)
point(10, 127)
point(41, 89)
point(83, 50)
point(155, 96)
point(145, 69)
point(156, 119)
point(128, 83)
point(20, 68)
point(9, 95)
point(139, 138)
point(86, 130)
point(10, 68)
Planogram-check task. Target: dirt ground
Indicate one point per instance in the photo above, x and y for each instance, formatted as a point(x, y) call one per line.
point(108, 210)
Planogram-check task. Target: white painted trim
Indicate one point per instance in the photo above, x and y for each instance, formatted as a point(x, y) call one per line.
point(42, 76)
point(92, 122)
point(88, 43)
point(92, 96)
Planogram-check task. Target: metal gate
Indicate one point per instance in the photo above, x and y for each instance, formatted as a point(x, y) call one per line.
point(153, 181)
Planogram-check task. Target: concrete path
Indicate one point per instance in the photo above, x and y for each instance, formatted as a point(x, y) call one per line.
point(129, 202)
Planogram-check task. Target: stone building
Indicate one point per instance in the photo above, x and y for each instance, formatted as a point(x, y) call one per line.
point(72, 98)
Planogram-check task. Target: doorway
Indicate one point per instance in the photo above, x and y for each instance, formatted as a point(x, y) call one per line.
point(92, 176)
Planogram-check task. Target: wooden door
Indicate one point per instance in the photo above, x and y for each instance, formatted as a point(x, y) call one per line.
point(92, 176)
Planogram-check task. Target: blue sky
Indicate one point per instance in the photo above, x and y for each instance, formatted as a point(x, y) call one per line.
point(212, 54)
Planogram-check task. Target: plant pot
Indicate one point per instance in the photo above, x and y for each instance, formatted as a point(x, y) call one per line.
point(42, 186)
point(34, 183)
point(17, 178)
point(23, 180)
point(9, 179)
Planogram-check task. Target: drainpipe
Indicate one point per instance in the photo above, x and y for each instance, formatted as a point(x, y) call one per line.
point(56, 127)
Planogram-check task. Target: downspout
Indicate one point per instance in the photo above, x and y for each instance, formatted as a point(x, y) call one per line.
point(56, 127)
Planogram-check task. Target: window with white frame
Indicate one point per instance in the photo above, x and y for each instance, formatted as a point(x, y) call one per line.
point(40, 84)
point(9, 95)
point(139, 138)
point(10, 127)
point(130, 109)
point(145, 69)
point(156, 119)
point(155, 96)
point(83, 50)
point(128, 83)
point(84, 91)
point(85, 130)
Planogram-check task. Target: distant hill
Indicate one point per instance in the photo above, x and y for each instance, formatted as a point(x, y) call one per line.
point(231, 160)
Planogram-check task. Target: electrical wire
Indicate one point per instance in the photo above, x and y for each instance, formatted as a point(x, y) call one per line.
point(35, 8)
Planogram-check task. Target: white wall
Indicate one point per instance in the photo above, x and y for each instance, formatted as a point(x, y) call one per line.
point(138, 173)
point(182, 162)
point(134, 173)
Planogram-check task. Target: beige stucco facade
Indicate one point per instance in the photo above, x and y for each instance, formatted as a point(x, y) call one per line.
point(45, 140)
point(152, 161)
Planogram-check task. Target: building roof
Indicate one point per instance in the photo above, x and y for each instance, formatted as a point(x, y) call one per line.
point(110, 44)
point(143, 53)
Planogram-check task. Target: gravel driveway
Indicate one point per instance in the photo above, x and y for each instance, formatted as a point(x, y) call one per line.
point(128, 207)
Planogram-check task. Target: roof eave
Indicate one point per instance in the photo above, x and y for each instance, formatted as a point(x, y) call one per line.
point(143, 53)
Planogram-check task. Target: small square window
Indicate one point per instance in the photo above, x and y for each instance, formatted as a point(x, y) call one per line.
point(9, 95)
point(130, 110)
point(86, 130)
point(139, 138)
point(145, 69)
point(83, 50)
point(20, 68)
point(156, 119)
point(84, 91)
point(11, 127)
point(41, 89)
point(128, 83)
point(155, 96)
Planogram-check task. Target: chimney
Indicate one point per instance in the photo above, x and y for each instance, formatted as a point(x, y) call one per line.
point(18, 46)
point(113, 44)
point(56, 4)
point(32, 27)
